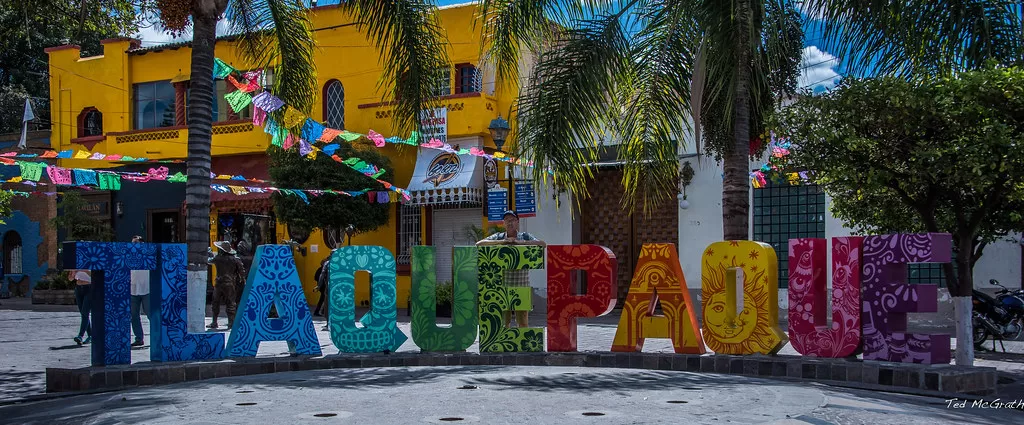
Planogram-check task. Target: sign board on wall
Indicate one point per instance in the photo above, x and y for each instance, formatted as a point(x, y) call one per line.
point(444, 168)
point(497, 203)
point(526, 200)
point(435, 124)
point(491, 174)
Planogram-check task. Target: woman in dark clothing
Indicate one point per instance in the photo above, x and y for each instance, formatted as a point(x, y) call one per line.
point(83, 287)
point(321, 285)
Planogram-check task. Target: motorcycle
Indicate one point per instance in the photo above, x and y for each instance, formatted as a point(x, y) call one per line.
point(1000, 317)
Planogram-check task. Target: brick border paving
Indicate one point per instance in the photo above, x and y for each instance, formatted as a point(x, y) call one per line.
point(937, 380)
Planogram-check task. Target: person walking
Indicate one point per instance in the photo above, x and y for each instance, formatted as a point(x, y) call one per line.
point(321, 286)
point(140, 301)
point(229, 269)
point(83, 288)
point(323, 281)
point(514, 278)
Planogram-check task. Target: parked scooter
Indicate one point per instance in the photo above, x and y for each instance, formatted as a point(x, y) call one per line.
point(1001, 317)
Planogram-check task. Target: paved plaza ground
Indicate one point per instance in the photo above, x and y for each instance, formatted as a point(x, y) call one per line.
point(32, 340)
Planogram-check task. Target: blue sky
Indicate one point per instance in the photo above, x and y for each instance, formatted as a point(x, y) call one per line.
point(820, 70)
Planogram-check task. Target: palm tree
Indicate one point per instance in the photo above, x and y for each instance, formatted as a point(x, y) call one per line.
point(277, 34)
point(644, 69)
point(921, 39)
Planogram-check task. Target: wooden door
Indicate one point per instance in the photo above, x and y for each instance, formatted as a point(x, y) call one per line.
point(605, 222)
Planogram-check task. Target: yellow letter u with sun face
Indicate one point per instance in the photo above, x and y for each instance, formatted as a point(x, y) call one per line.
point(747, 324)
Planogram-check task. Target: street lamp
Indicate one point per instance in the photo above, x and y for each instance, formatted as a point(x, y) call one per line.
point(499, 132)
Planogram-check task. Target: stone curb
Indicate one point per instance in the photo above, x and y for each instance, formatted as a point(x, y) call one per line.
point(918, 379)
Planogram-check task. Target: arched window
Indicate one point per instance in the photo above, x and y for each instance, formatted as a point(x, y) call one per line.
point(90, 122)
point(334, 105)
point(12, 253)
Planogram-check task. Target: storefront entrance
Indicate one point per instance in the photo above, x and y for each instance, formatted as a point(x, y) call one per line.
point(451, 228)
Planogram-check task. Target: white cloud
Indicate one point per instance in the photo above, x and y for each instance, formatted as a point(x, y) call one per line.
point(817, 69)
point(153, 33)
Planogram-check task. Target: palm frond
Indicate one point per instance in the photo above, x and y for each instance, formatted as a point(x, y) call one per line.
point(510, 26)
point(568, 99)
point(656, 98)
point(277, 34)
point(920, 37)
point(414, 50)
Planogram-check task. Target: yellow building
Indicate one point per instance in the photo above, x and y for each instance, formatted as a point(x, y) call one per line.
point(132, 100)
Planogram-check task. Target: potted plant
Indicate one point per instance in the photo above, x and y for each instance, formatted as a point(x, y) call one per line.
point(54, 288)
point(445, 295)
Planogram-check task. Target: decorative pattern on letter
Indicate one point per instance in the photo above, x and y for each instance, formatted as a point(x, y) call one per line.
point(111, 264)
point(495, 298)
point(462, 332)
point(658, 277)
point(379, 331)
point(809, 332)
point(274, 281)
point(171, 341)
point(888, 298)
point(600, 266)
point(754, 329)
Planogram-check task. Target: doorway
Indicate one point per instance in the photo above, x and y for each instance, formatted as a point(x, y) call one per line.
point(12, 253)
point(164, 226)
point(604, 222)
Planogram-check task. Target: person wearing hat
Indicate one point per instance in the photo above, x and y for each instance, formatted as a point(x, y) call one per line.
point(229, 270)
point(514, 278)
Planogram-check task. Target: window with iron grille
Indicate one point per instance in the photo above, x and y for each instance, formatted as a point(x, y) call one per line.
point(467, 79)
point(783, 212)
point(443, 86)
point(334, 105)
point(90, 122)
point(929, 273)
point(409, 219)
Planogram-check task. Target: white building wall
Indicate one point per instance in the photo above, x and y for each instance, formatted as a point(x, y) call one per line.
point(700, 224)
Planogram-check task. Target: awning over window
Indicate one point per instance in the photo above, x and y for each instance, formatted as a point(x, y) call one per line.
point(446, 178)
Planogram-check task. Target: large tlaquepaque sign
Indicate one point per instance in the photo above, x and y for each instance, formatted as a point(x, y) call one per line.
point(869, 299)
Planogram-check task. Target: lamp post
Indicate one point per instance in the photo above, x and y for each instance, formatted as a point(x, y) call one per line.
point(499, 132)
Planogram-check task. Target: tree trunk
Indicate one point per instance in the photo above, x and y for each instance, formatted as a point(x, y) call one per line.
point(197, 190)
point(962, 301)
point(736, 185)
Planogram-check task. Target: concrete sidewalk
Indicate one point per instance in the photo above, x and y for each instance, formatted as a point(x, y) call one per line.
point(31, 341)
point(500, 395)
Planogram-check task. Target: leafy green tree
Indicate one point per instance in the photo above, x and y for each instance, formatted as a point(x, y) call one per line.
point(5, 205)
point(27, 27)
point(938, 155)
point(290, 170)
point(640, 70)
point(79, 225)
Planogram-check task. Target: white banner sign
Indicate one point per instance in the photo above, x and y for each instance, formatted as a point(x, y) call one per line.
point(435, 124)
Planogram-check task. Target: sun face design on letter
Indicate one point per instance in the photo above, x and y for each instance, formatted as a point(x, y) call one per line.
point(754, 328)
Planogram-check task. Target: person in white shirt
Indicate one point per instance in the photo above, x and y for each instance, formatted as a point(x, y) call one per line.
point(83, 288)
point(140, 300)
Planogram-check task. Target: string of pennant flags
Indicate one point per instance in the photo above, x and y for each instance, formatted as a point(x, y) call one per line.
point(772, 170)
point(307, 129)
point(32, 174)
point(6, 158)
point(281, 135)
